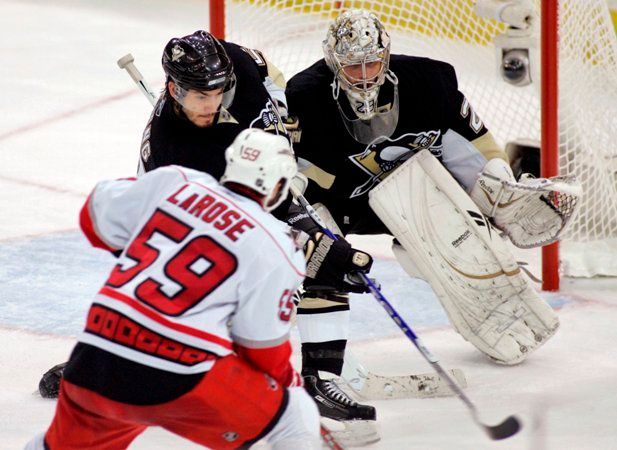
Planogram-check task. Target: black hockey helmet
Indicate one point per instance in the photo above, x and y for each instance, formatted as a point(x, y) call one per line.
point(198, 61)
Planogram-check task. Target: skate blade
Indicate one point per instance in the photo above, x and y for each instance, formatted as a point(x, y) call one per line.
point(353, 433)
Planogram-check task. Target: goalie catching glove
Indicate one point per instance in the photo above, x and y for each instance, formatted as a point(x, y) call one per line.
point(532, 212)
point(334, 265)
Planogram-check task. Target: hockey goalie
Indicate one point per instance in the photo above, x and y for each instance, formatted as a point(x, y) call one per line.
point(454, 241)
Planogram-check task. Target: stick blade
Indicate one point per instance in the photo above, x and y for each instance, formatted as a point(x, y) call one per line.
point(421, 385)
point(505, 429)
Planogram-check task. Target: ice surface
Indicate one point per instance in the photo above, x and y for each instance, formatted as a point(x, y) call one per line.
point(70, 117)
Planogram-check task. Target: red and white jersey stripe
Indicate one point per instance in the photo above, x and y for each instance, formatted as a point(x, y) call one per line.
point(200, 268)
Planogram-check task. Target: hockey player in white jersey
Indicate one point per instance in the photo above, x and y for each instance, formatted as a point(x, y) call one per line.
point(190, 332)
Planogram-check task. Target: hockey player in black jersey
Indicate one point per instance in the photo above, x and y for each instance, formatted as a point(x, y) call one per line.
point(214, 90)
point(362, 113)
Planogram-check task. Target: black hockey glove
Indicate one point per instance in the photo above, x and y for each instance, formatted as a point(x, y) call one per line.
point(334, 265)
point(292, 126)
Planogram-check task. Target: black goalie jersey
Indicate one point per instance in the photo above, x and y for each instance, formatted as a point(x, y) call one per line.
point(342, 171)
point(170, 138)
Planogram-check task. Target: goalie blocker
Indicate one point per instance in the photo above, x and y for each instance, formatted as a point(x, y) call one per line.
point(454, 247)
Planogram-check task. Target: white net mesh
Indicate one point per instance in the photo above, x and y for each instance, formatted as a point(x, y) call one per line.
point(289, 32)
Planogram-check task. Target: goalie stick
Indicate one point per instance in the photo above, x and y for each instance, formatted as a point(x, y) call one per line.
point(507, 428)
point(358, 378)
point(370, 386)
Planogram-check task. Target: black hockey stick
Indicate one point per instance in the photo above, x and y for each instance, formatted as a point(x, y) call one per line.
point(126, 63)
point(509, 427)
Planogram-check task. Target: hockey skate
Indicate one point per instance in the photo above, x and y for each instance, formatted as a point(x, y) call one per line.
point(354, 423)
point(49, 386)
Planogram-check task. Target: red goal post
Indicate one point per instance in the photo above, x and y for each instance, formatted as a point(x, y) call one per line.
point(569, 109)
point(550, 125)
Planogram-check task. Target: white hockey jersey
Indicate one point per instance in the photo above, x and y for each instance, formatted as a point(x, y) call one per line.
point(200, 268)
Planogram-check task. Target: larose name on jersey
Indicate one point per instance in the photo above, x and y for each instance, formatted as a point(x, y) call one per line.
point(211, 210)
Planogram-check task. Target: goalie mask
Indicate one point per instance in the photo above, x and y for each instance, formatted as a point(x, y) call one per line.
point(262, 162)
point(357, 51)
point(199, 62)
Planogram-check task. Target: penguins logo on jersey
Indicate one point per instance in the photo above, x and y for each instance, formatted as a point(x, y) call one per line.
point(379, 159)
point(270, 119)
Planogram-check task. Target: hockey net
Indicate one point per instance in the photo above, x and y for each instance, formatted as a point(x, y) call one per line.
point(290, 32)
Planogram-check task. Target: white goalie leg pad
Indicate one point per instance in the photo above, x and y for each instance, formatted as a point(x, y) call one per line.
point(406, 262)
point(298, 427)
point(532, 212)
point(468, 265)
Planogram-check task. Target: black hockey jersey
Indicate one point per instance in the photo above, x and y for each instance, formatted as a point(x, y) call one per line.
point(170, 138)
point(344, 169)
